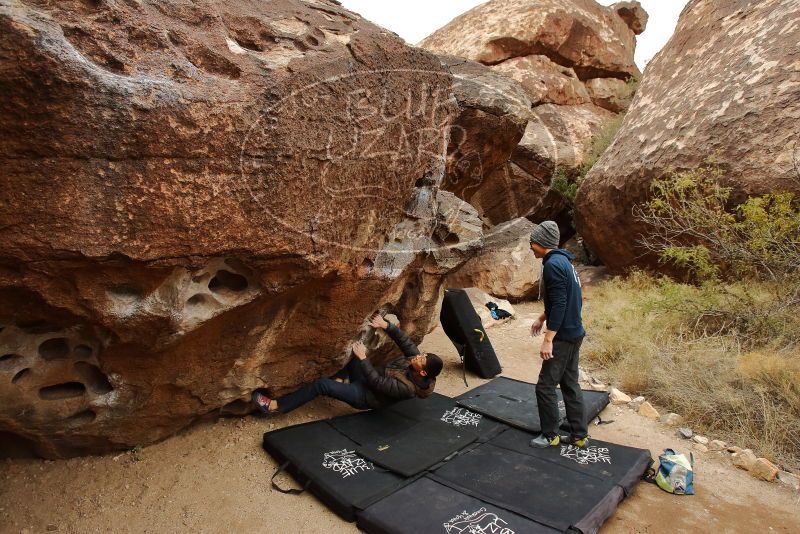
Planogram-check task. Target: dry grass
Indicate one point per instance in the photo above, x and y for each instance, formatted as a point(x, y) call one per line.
point(655, 338)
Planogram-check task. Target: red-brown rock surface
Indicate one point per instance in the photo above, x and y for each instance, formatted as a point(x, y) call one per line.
point(197, 200)
point(591, 39)
point(493, 113)
point(725, 88)
point(572, 58)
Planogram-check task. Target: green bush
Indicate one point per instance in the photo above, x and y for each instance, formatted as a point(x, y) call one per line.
point(723, 350)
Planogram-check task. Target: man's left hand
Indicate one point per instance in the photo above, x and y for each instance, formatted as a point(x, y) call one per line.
point(546, 352)
point(360, 350)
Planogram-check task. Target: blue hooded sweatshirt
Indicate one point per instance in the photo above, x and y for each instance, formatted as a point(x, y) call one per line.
point(562, 296)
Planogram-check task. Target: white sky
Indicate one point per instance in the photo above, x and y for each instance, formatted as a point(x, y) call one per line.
point(415, 19)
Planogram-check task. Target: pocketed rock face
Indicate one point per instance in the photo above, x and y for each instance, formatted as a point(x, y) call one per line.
point(201, 200)
point(725, 88)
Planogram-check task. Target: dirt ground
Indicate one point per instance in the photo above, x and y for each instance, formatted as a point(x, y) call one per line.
point(214, 477)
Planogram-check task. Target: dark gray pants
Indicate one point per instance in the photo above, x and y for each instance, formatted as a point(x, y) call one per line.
point(561, 369)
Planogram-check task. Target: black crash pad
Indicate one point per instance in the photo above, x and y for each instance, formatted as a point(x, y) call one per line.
point(352, 460)
point(325, 459)
point(428, 507)
point(418, 449)
point(440, 408)
point(532, 487)
point(514, 402)
point(624, 466)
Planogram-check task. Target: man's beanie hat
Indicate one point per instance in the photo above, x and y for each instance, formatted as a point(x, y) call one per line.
point(433, 365)
point(546, 234)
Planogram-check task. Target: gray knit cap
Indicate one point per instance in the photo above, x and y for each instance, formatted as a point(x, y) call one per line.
point(546, 234)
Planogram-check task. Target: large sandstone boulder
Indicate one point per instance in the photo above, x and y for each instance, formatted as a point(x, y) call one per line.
point(493, 113)
point(197, 200)
point(557, 140)
point(725, 88)
point(591, 39)
point(545, 81)
point(572, 58)
point(506, 266)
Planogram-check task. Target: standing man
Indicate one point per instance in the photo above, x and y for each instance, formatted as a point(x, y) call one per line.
point(563, 333)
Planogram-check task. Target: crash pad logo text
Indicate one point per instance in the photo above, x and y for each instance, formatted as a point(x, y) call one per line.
point(477, 522)
point(461, 417)
point(345, 462)
point(588, 455)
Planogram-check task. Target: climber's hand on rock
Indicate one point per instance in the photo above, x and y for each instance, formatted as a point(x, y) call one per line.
point(360, 350)
point(377, 321)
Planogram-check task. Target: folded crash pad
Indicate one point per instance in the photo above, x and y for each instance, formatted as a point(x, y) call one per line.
point(464, 328)
point(514, 402)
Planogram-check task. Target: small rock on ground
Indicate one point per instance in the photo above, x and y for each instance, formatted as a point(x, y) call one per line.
point(764, 469)
point(744, 459)
point(635, 403)
point(647, 410)
point(671, 419)
point(685, 432)
point(717, 445)
point(615, 396)
point(702, 440)
point(700, 447)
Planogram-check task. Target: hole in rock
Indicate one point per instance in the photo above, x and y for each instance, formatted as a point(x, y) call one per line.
point(94, 378)
point(451, 239)
point(54, 349)
point(237, 407)
point(311, 40)
point(248, 44)
point(81, 418)
point(125, 291)
point(67, 390)
point(226, 280)
point(197, 300)
point(20, 375)
point(367, 265)
point(37, 326)
point(8, 360)
point(82, 351)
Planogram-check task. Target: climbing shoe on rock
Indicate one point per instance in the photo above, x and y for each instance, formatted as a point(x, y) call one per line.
point(262, 403)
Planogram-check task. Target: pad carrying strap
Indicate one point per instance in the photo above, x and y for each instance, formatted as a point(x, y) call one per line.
point(289, 491)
